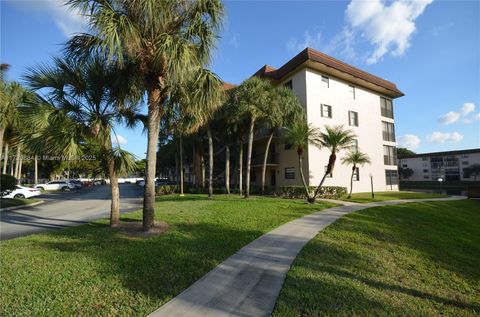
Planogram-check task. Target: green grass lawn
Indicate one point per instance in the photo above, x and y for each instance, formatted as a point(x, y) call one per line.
point(93, 270)
point(12, 202)
point(417, 259)
point(381, 196)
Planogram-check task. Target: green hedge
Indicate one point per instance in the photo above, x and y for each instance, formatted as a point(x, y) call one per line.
point(330, 192)
point(7, 182)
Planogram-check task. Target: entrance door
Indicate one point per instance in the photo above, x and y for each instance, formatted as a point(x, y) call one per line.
point(273, 178)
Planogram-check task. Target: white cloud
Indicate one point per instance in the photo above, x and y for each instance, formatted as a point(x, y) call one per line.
point(453, 116)
point(442, 137)
point(120, 140)
point(309, 39)
point(234, 40)
point(409, 141)
point(477, 116)
point(67, 20)
point(467, 108)
point(449, 118)
point(387, 27)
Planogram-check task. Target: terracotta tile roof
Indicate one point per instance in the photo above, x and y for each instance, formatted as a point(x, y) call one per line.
point(228, 86)
point(310, 54)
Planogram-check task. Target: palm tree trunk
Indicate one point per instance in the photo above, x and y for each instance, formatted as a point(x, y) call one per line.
point(210, 162)
point(115, 206)
point(181, 165)
point(227, 168)
point(35, 165)
point(240, 166)
point(12, 165)
point(249, 157)
point(330, 166)
point(5, 162)
point(307, 190)
point(153, 126)
point(17, 161)
point(265, 158)
point(351, 182)
point(19, 177)
point(202, 171)
point(176, 168)
point(2, 132)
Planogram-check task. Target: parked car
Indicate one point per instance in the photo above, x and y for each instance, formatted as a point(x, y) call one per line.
point(21, 192)
point(77, 183)
point(141, 183)
point(56, 185)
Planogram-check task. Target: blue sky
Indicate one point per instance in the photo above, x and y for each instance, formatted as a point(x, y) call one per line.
point(430, 49)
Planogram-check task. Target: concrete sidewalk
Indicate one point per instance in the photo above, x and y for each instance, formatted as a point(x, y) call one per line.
point(248, 282)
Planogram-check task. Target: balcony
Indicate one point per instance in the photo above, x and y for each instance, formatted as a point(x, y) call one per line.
point(257, 160)
point(264, 133)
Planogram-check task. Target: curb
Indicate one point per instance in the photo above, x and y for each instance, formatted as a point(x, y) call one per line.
point(22, 206)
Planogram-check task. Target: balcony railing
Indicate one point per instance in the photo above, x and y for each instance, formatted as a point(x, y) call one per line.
point(264, 132)
point(258, 159)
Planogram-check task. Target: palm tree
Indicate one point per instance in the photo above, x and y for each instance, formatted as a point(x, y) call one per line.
point(250, 97)
point(198, 101)
point(283, 109)
point(355, 158)
point(87, 98)
point(335, 139)
point(300, 135)
point(166, 40)
point(12, 95)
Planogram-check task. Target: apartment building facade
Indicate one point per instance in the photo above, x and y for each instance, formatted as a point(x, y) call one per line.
point(334, 93)
point(449, 165)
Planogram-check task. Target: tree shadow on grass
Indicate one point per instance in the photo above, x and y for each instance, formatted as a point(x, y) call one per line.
point(158, 267)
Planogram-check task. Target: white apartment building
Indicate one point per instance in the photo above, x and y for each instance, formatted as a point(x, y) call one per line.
point(450, 165)
point(334, 93)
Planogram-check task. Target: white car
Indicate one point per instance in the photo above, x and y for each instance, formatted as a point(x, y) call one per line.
point(22, 192)
point(56, 185)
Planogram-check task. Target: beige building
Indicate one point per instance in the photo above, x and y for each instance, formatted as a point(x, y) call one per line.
point(334, 93)
point(450, 165)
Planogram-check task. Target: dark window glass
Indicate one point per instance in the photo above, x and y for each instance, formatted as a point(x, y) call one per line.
point(290, 173)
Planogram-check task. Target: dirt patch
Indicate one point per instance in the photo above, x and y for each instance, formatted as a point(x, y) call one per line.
point(134, 229)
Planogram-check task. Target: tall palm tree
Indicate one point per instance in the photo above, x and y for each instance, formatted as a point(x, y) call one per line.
point(199, 101)
point(283, 109)
point(166, 39)
point(335, 139)
point(88, 98)
point(300, 135)
point(251, 96)
point(12, 95)
point(355, 158)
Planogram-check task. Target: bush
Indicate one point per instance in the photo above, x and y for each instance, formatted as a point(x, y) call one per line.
point(8, 182)
point(329, 192)
point(166, 190)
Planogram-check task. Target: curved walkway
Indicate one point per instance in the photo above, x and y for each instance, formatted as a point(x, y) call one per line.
point(248, 282)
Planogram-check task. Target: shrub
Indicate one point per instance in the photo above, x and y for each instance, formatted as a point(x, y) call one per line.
point(330, 192)
point(166, 190)
point(8, 182)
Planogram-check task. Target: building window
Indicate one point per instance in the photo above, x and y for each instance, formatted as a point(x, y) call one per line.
point(425, 171)
point(288, 85)
point(388, 131)
point(466, 173)
point(426, 176)
point(351, 90)
point(325, 81)
point(465, 156)
point(326, 111)
point(386, 107)
point(424, 158)
point(389, 155)
point(354, 146)
point(391, 177)
point(405, 165)
point(464, 162)
point(288, 146)
point(290, 173)
point(356, 174)
point(353, 118)
point(330, 175)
